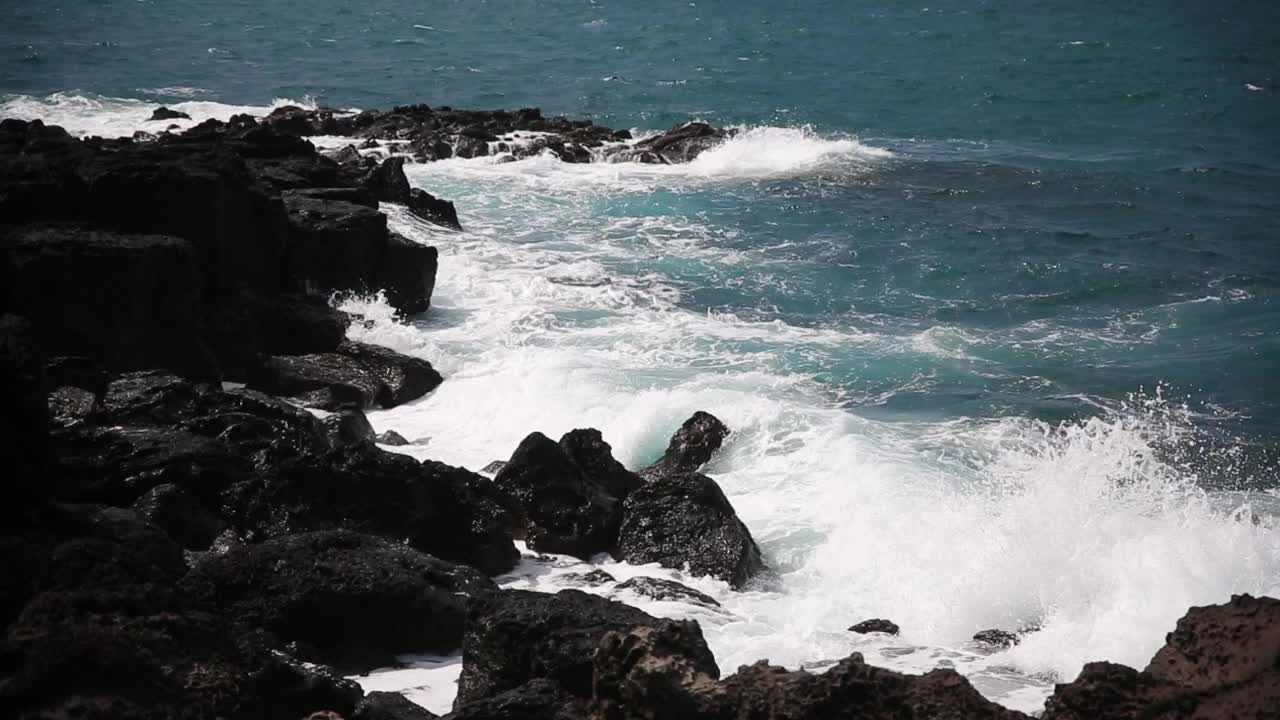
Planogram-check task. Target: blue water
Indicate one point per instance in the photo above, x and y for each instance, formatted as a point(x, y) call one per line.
point(1027, 252)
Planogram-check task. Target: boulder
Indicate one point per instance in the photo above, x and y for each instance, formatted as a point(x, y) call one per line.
point(996, 638)
point(587, 449)
point(515, 636)
point(651, 671)
point(143, 651)
point(128, 301)
point(535, 700)
point(592, 578)
point(685, 521)
point(668, 590)
point(448, 512)
point(333, 244)
point(357, 600)
point(348, 427)
point(185, 519)
point(876, 625)
point(70, 405)
point(682, 143)
point(691, 446)
point(558, 508)
point(356, 375)
point(391, 438)
point(407, 274)
point(164, 113)
point(1220, 661)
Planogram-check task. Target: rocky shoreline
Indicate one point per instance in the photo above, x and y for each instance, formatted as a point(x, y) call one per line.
point(184, 538)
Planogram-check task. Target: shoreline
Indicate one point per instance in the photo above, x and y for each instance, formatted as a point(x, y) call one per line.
point(256, 229)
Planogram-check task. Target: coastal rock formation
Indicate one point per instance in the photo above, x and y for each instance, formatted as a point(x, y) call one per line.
point(516, 636)
point(1220, 661)
point(588, 450)
point(684, 520)
point(164, 113)
point(691, 446)
point(876, 625)
point(670, 590)
point(558, 507)
point(354, 375)
point(356, 601)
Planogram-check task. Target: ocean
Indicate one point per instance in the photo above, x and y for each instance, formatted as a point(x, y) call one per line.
point(989, 292)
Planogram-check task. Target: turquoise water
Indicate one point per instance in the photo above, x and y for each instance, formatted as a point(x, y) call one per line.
point(988, 290)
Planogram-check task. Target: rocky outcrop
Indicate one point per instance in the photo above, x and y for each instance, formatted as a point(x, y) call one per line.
point(388, 183)
point(588, 450)
point(685, 521)
point(515, 637)
point(680, 144)
point(1220, 661)
point(557, 506)
point(356, 601)
point(143, 651)
point(875, 625)
point(164, 113)
point(355, 375)
point(183, 517)
point(668, 590)
point(691, 447)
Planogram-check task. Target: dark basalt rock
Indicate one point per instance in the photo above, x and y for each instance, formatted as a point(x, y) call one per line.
point(664, 666)
point(1220, 661)
point(682, 143)
point(670, 590)
point(407, 274)
point(587, 449)
point(348, 427)
point(357, 600)
point(876, 625)
point(691, 446)
point(515, 636)
point(184, 518)
point(390, 706)
point(448, 512)
point(535, 700)
point(392, 438)
point(128, 301)
point(592, 578)
point(356, 375)
point(996, 638)
point(557, 506)
point(388, 183)
point(164, 113)
point(70, 405)
point(141, 651)
point(333, 244)
point(685, 520)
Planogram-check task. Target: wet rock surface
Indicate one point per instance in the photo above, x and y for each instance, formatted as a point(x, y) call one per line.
point(691, 447)
point(876, 625)
point(669, 590)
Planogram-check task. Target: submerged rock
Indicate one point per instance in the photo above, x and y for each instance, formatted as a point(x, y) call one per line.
point(357, 600)
point(670, 590)
point(164, 113)
point(685, 520)
point(876, 625)
point(356, 375)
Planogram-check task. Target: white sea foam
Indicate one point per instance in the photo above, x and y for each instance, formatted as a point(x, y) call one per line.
point(118, 117)
point(946, 527)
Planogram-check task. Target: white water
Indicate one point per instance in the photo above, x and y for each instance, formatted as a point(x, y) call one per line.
point(551, 313)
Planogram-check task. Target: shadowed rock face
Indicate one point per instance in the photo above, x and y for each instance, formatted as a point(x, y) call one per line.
point(691, 446)
point(357, 600)
point(354, 376)
point(685, 520)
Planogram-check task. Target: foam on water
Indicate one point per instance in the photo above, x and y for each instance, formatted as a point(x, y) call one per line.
point(1087, 529)
point(87, 115)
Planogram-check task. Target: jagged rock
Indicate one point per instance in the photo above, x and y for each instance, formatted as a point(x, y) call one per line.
point(592, 578)
point(184, 518)
point(691, 446)
point(392, 438)
point(333, 244)
point(682, 143)
point(388, 183)
point(390, 706)
point(357, 600)
point(448, 512)
point(128, 301)
point(142, 651)
point(164, 113)
point(494, 467)
point(558, 508)
point(407, 274)
point(669, 590)
point(1220, 661)
point(876, 625)
point(587, 448)
point(515, 636)
point(69, 405)
point(685, 520)
point(996, 638)
point(660, 670)
point(348, 427)
point(356, 375)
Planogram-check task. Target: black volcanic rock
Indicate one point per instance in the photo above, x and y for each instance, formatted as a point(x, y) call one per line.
point(559, 508)
point(587, 448)
point(876, 625)
point(691, 447)
point(448, 512)
point(184, 518)
point(128, 301)
point(686, 520)
point(356, 375)
point(357, 600)
point(143, 651)
point(388, 183)
point(670, 590)
point(665, 665)
point(164, 113)
point(515, 636)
